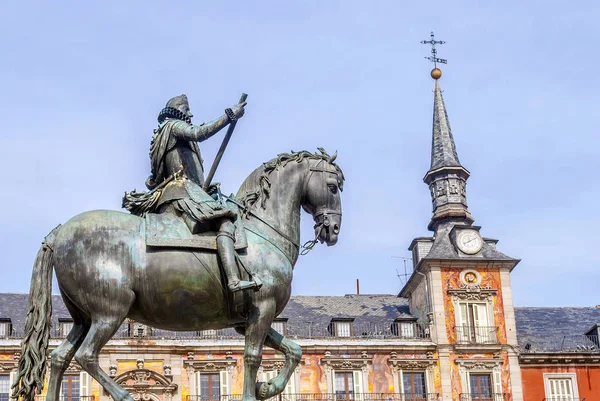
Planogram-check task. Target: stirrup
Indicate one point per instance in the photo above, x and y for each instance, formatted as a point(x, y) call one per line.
point(244, 285)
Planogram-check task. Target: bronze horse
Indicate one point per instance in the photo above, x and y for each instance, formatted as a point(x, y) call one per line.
point(106, 273)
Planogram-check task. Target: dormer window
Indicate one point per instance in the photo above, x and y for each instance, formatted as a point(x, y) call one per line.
point(404, 328)
point(5, 327)
point(279, 326)
point(340, 327)
point(64, 327)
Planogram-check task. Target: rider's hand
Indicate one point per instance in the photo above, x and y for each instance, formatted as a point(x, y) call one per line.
point(238, 109)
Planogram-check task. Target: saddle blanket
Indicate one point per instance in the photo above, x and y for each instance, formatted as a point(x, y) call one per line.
point(166, 230)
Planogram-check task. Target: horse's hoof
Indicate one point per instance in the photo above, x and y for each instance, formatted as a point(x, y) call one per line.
point(262, 390)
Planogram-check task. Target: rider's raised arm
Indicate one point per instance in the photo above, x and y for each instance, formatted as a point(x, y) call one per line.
point(199, 133)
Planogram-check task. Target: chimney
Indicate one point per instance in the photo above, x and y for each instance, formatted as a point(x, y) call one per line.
point(357, 287)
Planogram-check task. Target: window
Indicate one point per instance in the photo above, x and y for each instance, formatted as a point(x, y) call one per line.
point(560, 386)
point(208, 333)
point(404, 328)
point(212, 386)
point(348, 385)
point(70, 389)
point(413, 386)
point(4, 387)
point(481, 387)
point(474, 325)
point(340, 328)
point(5, 328)
point(279, 326)
point(64, 327)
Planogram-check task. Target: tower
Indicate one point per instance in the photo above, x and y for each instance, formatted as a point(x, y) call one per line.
point(460, 285)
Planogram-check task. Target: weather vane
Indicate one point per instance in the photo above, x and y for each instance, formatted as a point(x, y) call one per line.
point(436, 73)
point(434, 59)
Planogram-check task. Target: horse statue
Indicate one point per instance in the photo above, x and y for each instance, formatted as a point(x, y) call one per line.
point(107, 273)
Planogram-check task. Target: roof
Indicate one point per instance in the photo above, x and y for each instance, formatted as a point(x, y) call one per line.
point(302, 312)
point(554, 329)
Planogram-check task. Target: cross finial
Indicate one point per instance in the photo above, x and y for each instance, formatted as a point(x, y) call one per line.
point(433, 58)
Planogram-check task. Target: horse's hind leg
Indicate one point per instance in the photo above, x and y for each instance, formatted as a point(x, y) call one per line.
point(104, 326)
point(62, 355)
point(293, 354)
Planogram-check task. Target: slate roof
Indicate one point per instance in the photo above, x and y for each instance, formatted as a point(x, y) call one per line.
point(555, 329)
point(302, 312)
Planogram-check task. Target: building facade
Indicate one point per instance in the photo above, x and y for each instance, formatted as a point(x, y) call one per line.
point(451, 334)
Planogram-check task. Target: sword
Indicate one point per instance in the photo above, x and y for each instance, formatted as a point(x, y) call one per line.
point(215, 164)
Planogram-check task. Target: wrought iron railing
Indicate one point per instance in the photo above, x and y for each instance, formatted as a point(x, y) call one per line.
point(485, 397)
point(476, 335)
point(299, 330)
point(563, 399)
point(340, 396)
point(573, 343)
point(68, 398)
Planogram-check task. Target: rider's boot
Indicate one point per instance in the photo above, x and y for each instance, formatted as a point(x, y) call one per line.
point(226, 251)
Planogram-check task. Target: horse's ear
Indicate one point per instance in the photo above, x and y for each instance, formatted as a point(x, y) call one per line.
point(333, 157)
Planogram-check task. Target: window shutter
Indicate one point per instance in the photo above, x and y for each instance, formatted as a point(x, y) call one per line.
point(198, 386)
point(480, 314)
point(358, 384)
point(497, 381)
point(224, 381)
point(11, 381)
point(84, 384)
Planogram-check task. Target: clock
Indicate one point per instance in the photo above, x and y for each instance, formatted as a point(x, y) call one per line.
point(469, 241)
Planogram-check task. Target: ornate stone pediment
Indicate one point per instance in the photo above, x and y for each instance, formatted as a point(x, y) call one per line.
point(361, 363)
point(479, 364)
point(210, 365)
point(396, 362)
point(472, 292)
point(272, 364)
point(9, 365)
point(145, 384)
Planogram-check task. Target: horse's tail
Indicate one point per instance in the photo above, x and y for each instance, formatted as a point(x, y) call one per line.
point(32, 364)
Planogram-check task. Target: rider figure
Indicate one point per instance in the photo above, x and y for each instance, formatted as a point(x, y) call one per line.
point(175, 155)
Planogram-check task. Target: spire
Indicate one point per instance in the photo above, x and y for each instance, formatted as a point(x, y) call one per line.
point(447, 178)
point(443, 150)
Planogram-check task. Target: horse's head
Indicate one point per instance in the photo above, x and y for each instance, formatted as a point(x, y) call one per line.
point(321, 198)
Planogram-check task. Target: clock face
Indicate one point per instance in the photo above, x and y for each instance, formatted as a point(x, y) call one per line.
point(469, 241)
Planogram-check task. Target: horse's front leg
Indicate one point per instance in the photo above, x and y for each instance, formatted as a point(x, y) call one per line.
point(260, 317)
point(293, 354)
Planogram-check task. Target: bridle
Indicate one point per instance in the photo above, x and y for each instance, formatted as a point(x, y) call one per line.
point(324, 212)
point(321, 216)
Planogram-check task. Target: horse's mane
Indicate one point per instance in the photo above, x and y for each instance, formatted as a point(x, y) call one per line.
point(256, 189)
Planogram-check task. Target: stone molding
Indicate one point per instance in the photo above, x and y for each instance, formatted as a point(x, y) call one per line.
point(479, 364)
point(147, 384)
point(356, 363)
point(472, 292)
point(210, 365)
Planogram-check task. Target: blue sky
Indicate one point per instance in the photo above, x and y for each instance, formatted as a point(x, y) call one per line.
point(82, 85)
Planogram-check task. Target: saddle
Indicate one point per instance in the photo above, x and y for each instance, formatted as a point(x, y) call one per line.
point(166, 230)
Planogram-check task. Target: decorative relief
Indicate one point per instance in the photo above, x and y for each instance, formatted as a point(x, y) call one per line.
point(472, 292)
point(470, 278)
point(479, 364)
point(210, 365)
point(8, 366)
point(330, 363)
point(396, 363)
point(272, 364)
point(144, 384)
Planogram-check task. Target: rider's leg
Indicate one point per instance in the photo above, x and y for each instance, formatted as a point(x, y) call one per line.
point(226, 250)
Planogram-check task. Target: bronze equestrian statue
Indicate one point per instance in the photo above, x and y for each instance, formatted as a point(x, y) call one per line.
point(110, 267)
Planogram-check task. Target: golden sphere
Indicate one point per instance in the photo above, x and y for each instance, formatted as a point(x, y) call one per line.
point(436, 73)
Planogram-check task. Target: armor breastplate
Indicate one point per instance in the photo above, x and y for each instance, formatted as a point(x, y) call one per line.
point(185, 156)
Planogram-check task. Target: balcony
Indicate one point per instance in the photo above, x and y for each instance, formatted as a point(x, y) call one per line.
point(485, 397)
point(69, 398)
point(298, 330)
point(328, 397)
point(564, 344)
point(563, 399)
point(476, 335)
